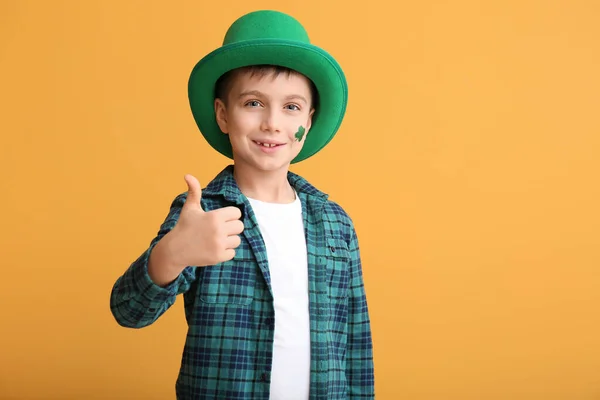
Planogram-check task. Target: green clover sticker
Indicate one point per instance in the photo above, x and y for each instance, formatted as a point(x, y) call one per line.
point(300, 134)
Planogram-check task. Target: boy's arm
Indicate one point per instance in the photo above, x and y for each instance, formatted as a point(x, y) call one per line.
point(136, 300)
point(359, 355)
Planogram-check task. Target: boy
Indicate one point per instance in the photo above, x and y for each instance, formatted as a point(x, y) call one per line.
point(269, 268)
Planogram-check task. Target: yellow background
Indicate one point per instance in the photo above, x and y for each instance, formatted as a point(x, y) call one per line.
point(468, 160)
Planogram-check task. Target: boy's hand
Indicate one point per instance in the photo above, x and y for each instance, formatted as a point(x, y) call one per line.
point(199, 238)
point(203, 238)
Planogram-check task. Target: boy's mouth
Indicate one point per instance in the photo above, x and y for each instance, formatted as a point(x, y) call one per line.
point(268, 145)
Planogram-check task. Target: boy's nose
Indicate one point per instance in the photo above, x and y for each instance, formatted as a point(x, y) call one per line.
point(271, 121)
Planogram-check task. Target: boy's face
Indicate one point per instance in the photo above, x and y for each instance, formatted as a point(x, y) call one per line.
point(267, 119)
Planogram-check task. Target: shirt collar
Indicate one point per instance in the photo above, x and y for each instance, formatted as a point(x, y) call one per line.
point(225, 185)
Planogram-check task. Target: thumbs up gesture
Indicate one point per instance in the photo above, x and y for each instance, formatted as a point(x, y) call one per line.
point(200, 238)
point(205, 238)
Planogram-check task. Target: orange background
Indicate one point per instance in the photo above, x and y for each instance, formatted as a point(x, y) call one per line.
point(468, 161)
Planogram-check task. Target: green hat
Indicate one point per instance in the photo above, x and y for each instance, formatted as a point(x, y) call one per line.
point(273, 38)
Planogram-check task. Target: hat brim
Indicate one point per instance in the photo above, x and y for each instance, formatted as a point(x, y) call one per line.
point(309, 60)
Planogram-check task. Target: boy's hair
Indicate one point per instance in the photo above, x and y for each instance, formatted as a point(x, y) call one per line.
point(225, 82)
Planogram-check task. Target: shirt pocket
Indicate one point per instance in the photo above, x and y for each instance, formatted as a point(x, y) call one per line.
point(228, 283)
point(338, 262)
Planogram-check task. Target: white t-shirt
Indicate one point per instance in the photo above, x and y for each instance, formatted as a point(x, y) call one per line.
point(282, 229)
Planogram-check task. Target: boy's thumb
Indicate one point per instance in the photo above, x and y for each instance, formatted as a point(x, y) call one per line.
point(194, 192)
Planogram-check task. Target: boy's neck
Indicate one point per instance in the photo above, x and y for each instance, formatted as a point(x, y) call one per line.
point(266, 186)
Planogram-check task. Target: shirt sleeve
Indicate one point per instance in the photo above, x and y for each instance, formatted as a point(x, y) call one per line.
point(136, 301)
point(359, 354)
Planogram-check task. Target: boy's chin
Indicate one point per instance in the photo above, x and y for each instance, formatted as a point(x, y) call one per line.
point(266, 165)
point(272, 166)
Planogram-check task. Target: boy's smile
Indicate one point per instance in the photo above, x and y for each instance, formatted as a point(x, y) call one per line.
point(263, 115)
point(268, 146)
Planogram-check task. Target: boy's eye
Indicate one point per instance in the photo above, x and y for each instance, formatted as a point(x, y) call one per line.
point(253, 103)
point(293, 107)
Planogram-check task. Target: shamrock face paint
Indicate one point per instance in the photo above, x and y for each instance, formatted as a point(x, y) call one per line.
point(300, 134)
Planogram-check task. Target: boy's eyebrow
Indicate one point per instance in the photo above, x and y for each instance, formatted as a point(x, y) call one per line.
point(251, 93)
point(296, 96)
point(261, 94)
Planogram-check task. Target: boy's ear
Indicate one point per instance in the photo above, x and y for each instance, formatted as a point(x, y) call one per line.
point(309, 121)
point(221, 115)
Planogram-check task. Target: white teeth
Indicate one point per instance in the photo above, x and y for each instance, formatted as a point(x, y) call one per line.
point(266, 144)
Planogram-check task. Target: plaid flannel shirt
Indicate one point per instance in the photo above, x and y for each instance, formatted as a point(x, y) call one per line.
point(229, 306)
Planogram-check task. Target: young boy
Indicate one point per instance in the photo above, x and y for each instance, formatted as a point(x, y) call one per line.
point(269, 268)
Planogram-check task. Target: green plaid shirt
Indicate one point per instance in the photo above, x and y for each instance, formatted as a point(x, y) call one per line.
point(229, 307)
